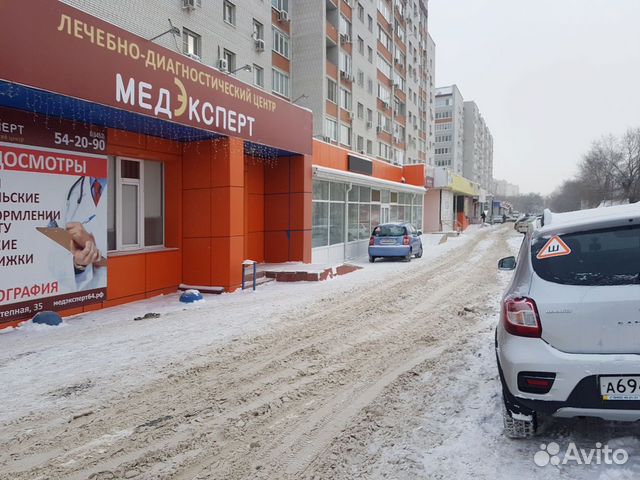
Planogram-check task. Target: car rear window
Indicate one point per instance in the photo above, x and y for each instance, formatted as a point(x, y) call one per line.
point(389, 231)
point(598, 257)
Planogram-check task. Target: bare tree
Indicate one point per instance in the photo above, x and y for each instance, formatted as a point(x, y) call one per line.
point(627, 166)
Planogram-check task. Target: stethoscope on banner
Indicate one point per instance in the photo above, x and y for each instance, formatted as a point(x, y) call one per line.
point(79, 182)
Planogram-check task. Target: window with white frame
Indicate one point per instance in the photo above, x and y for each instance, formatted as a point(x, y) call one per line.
point(332, 91)
point(135, 207)
point(280, 83)
point(345, 62)
point(383, 8)
point(345, 134)
point(258, 75)
point(384, 151)
point(344, 26)
point(229, 12)
point(331, 129)
point(345, 99)
point(230, 57)
point(384, 38)
point(258, 30)
point(190, 43)
point(280, 5)
point(384, 94)
point(384, 66)
point(280, 42)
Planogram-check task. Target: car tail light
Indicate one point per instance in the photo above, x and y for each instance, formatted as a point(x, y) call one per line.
point(371, 241)
point(520, 317)
point(535, 382)
point(405, 240)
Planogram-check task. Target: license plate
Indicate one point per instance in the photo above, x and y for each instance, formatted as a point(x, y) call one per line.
point(620, 388)
point(387, 241)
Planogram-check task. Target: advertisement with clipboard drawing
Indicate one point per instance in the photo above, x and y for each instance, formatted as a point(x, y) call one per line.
point(53, 214)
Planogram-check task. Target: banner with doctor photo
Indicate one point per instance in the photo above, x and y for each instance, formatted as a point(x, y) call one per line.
point(53, 229)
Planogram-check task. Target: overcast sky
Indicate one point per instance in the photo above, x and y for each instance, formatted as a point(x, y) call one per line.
point(549, 76)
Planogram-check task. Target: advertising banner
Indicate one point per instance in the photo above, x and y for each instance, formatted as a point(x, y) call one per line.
point(75, 54)
point(53, 214)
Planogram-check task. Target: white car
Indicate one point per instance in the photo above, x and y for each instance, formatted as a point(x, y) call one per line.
point(525, 224)
point(568, 340)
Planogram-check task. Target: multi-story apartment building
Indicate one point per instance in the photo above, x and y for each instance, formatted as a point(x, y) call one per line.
point(449, 129)
point(502, 188)
point(478, 147)
point(250, 40)
point(362, 68)
point(431, 113)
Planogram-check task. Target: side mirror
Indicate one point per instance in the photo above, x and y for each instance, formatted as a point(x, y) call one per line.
point(507, 263)
point(419, 232)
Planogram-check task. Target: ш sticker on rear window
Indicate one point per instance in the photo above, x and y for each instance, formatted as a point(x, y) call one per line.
point(555, 247)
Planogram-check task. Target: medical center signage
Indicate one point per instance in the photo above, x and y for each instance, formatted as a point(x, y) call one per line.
point(53, 214)
point(75, 54)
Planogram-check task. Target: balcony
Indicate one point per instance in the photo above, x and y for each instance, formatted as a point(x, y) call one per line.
point(332, 70)
point(332, 35)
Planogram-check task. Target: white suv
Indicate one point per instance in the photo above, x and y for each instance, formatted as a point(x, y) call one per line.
point(568, 340)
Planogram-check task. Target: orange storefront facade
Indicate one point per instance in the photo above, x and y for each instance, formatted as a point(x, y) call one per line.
point(204, 171)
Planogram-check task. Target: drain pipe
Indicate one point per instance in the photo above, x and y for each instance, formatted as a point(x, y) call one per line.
point(346, 220)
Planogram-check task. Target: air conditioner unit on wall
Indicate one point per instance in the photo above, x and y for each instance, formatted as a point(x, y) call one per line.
point(283, 16)
point(344, 38)
point(259, 44)
point(223, 65)
point(190, 4)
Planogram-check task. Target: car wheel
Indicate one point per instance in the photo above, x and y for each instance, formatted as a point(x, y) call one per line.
point(419, 254)
point(408, 257)
point(372, 259)
point(522, 427)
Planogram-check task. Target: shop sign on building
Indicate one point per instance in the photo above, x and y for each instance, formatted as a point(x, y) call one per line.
point(53, 214)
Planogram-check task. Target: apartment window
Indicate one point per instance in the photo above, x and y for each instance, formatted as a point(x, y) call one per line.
point(230, 57)
point(135, 217)
point(331, 129)
point(384, 66)
point(360, 12)
point(280, 5)
point(360, 46)
point(383, 8)
point(190, 43)
point(369, 115)
point(360, 143)
point(370, 54)
point(229, 12)
point(360, 110)
point(369, 85)
point(332, 91)
point(384, 38)
point(345, 63)
point(370, 23)
point(400, 33)
point(258, 30)
point(280, 42)
point(384, 94)
point(344, 26)
point(345, 134)
point(345, 99)
point(360, 78)
point(384, 122)
point(280, 83)
point(384, 151)
point(258, 76)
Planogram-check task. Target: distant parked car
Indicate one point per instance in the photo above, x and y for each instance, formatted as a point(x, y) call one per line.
point(497, 219)
point(395, 240)
point(567, 341)
point(523, 223)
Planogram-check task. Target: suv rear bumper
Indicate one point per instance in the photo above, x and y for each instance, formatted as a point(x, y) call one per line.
point(576, 389)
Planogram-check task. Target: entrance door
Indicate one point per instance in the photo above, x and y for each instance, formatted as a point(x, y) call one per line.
point(384, 214)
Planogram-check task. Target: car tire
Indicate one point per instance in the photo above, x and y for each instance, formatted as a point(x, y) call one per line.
point(517, 427)
point(372, 259)
point(419, 255)
point(408, 257)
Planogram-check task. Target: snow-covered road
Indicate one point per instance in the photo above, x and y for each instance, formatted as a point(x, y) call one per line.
point(387, 372)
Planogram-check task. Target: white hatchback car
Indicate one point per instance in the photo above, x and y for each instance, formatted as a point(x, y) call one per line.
point(568, 340)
